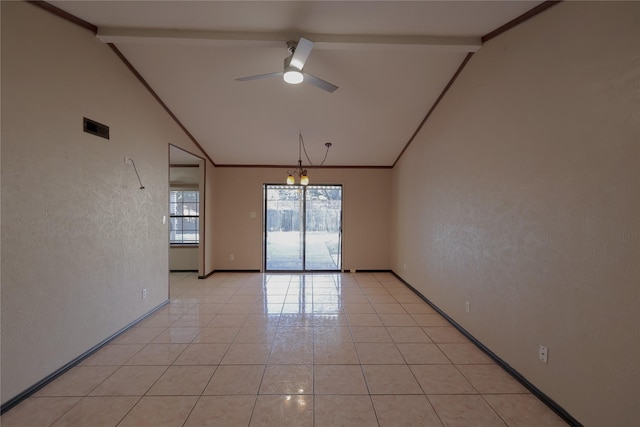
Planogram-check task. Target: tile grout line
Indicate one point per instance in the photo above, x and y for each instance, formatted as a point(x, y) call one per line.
point(212, 374)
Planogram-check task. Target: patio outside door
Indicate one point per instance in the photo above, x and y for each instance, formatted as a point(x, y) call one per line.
point(303, 227)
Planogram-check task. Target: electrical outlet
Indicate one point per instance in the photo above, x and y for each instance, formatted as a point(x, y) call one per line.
point(404, 267)
point(543, 353)
point(231, 257)
point(144, 293)
point(466, 306)
point(126, 160)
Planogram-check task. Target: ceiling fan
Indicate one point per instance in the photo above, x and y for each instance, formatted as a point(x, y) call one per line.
point(293, 67)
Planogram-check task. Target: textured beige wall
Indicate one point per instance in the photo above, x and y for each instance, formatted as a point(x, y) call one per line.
point(210, 234)
point(365, 215)
point(84, 238)
point(521, 195)
point(183, 258)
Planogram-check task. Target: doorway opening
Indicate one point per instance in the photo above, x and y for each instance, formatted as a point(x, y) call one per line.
point(186, 211)
point(302, 227)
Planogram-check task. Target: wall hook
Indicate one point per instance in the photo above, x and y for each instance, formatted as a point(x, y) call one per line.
point(130, 160)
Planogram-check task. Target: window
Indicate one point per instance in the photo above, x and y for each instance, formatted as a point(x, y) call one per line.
point(184, 208)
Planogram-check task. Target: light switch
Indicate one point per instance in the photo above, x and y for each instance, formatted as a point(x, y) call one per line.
point(164, 219)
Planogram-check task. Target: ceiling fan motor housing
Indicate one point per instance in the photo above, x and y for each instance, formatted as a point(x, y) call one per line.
point(287, 62)
point(291, 46)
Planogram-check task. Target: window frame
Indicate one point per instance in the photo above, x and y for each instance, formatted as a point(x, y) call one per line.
point(172, 216)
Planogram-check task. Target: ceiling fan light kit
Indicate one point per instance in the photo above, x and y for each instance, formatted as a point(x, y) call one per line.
point(292, 75)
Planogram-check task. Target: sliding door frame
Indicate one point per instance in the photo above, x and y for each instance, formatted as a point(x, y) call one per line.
point(303, 225)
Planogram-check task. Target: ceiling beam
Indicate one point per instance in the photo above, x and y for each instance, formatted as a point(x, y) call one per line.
point(322, 41)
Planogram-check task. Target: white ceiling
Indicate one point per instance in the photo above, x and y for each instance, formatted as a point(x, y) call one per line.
point(390, 60)
point(178, 156)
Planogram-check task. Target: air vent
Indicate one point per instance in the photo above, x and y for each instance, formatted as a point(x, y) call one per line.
point(95, 128)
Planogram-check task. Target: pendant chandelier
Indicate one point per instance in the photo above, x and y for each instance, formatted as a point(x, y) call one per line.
point(299, 171)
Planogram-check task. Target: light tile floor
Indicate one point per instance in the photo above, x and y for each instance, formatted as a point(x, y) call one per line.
point(250, 349)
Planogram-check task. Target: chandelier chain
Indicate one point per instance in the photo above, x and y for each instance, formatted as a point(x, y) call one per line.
point(304, 148)
point(300, 171)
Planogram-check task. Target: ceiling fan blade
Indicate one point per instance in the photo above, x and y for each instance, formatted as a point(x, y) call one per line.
point(319, 83)
point(260, 76)
point(300, 55)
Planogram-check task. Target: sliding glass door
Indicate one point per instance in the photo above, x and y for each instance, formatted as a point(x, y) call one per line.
point(323, 227)
point(303, 227)
point(284, 237)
